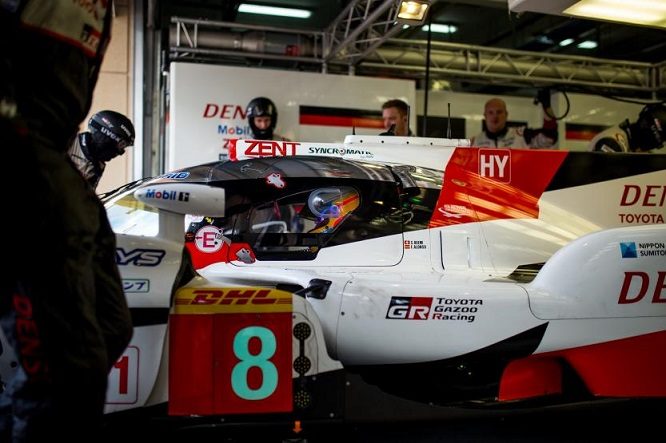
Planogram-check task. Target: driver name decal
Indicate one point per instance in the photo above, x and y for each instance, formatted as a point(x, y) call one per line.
point(495, 164)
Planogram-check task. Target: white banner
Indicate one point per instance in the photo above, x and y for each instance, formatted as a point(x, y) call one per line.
point(207, 107)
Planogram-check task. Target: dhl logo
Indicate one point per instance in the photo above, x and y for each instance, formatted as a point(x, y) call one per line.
point(231, 300)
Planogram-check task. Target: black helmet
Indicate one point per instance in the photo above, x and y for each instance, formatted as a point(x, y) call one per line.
point(651, 127)
point(260, 107)
point(111, 134)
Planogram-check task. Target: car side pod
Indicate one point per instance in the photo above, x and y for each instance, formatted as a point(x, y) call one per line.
point(611, 331)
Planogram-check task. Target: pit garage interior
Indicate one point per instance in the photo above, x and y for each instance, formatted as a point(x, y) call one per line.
point(490, 48)
point(184, 71)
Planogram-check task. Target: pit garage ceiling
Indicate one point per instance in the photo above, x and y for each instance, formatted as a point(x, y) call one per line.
point(492, 50)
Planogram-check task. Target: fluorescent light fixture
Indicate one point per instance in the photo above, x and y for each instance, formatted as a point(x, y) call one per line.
point(248, 8)
point(444, 29)
point(566, 42)
point(587, 44)
point(413, 12)
point(639, 12)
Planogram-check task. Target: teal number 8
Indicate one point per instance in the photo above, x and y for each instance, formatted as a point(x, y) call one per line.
point(247, 360)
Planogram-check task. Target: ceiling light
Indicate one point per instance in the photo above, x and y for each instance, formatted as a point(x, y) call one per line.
point(248, 8)
point(413, 12)
point(587, 44)
point(444, 29)
point(566, 42)
point(639, 12)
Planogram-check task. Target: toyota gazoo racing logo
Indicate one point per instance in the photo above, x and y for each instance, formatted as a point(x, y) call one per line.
point(409, 308)
point(423, 308)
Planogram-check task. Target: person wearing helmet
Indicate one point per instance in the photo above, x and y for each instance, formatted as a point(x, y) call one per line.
point(262, 117)
point(646, 134)
point(109, 134)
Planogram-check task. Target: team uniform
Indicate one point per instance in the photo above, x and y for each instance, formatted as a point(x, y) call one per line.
point(62, 306)
point(517, 137)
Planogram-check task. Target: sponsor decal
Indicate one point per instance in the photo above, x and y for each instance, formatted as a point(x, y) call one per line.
point(136, 285)
point(161, 194)
point(209, 239)
point(409, 308)
point(234, 130)
point(275, 179)
point(139, 257)
point(176, 175)
point(495, 164)
point(231, 300)
point(429, 308)
point(454, 211)
point(226, 110)
point(637, 284)
point(643, 249)
point(647, 197)
point(339, 151)
point(269, 148)
point(415, 244)
point(628, 250)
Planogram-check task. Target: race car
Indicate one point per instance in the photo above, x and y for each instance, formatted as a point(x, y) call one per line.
point(307, 281)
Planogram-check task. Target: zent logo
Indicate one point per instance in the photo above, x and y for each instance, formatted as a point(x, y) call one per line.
point(139, 257)
point(409, 308)
point(495, 164)
point(267, 148)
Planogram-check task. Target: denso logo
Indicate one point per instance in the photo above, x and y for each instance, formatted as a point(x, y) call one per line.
point(139, 257)
point(224, 111)
point(495, 164)
point(409, 308)
point(268, 148)
point(647, 196)
point(232, 296)
point(633, 293)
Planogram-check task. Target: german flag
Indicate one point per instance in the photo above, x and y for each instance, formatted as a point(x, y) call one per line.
point(343, 117)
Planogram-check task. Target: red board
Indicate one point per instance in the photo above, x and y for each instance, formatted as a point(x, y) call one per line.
point(230, 354)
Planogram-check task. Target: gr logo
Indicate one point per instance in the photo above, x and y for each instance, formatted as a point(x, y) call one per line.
point(409, 308)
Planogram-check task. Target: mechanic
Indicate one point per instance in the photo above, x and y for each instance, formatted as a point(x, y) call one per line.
point(395, 114)
point(497, 134)
point(262, 116)
point(62, 306)
point(646, 134)
point(109, 134)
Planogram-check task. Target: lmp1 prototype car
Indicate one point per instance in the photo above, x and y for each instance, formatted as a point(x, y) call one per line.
point(319, 279)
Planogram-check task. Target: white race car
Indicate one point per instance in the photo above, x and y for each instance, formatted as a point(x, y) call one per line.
point(318, 278)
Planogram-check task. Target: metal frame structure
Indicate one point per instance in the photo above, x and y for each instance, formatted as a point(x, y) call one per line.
point(359, 40)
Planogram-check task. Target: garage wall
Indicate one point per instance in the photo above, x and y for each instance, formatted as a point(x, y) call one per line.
point(114, 90)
